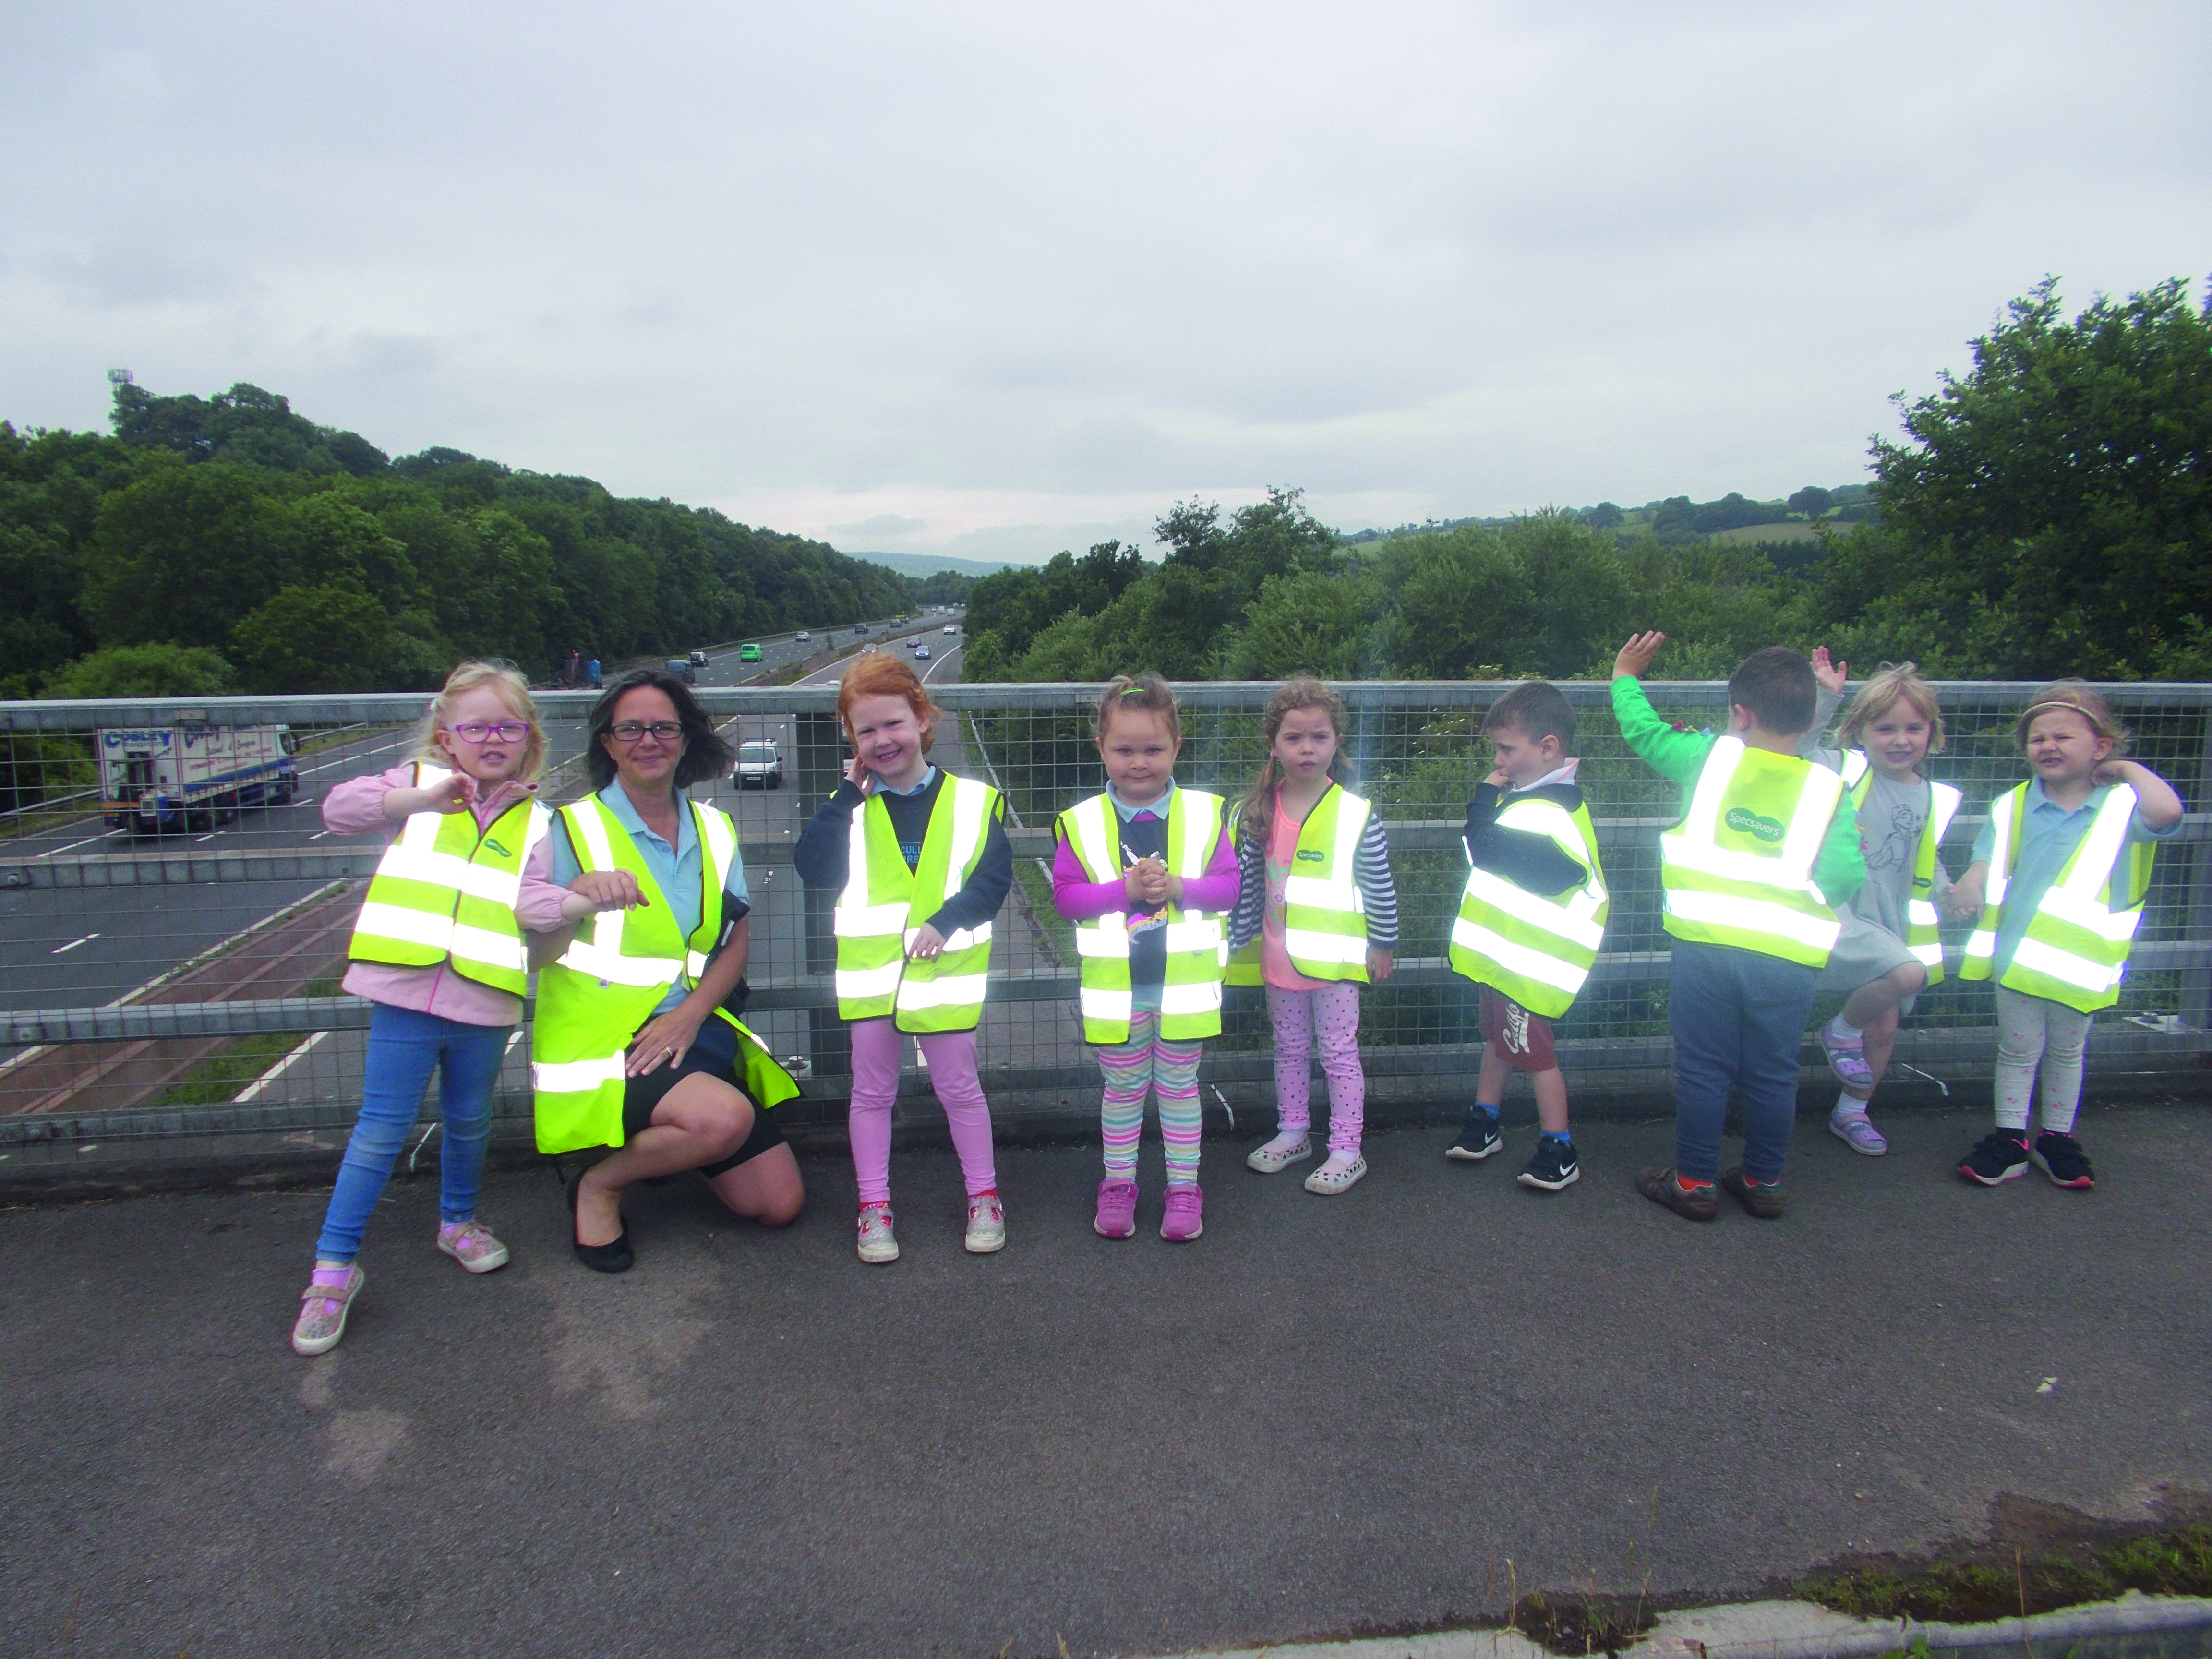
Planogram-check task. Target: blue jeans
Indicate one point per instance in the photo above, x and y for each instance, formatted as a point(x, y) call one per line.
point(1738, 1018)
point(404, 1046)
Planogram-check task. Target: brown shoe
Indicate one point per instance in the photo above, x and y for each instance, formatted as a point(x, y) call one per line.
point(1762, 1200)
point(1699, 1204)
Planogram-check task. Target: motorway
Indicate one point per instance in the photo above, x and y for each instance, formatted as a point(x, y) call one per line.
point(79, 946)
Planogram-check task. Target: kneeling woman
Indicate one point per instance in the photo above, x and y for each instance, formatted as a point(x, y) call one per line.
point(638, 909)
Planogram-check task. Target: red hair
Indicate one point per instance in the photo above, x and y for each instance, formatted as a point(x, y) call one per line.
point(879, 674)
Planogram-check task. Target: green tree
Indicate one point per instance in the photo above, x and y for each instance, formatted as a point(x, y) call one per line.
point(182, 552)
point(2049, 512)
point(143, 670)
point(1811, 501)
point(309, 640)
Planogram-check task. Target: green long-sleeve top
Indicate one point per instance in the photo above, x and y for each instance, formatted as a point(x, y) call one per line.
point(1840, 870)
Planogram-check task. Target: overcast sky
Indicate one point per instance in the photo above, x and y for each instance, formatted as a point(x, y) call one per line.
point(996, 280)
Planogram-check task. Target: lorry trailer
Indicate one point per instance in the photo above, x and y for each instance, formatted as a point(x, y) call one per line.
point(191, 776)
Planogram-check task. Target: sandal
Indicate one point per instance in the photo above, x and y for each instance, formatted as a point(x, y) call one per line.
point(1328, 1182)
point(322, 1310)
point(1278, 1153)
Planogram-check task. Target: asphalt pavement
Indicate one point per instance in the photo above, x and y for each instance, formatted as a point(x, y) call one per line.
point(1326, 1415)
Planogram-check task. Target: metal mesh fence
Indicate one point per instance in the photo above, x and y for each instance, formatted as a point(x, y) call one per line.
point(174, 970)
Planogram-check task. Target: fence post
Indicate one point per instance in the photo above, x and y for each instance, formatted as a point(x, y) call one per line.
point(2197, 982)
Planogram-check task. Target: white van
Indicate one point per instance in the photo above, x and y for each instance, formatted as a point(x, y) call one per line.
point(761, 764)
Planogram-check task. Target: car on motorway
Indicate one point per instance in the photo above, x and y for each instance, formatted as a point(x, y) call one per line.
point(749, 652)
point(952, 628)
point(682, 668)
point(803, 636)
point(698, 660)
point(922, 652)
point(759, 763)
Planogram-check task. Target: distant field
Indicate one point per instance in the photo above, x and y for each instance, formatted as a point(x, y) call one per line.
point(1794, 530)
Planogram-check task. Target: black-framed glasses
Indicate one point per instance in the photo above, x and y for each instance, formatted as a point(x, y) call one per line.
point(631, 731)
point(477, 731)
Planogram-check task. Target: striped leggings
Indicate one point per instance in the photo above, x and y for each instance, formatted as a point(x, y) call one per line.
point(1149, 1061)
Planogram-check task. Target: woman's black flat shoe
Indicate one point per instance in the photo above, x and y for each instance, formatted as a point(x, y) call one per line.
point(614, 1258)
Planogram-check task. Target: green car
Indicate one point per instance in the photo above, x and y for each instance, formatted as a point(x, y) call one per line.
point(748, 653)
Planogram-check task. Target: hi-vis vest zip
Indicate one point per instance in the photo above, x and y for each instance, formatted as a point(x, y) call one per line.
point(1920, 910)
point(614, 974)
point(884, 905)
point(2076, 945)
point(443, 891)
point(1197, 940)
point(1534, 949)
point(1738, 869)
point(1324, 917)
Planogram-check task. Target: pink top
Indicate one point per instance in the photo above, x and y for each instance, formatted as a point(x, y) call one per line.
point(1274, 954)
point(355, 807)
point(1078, 899)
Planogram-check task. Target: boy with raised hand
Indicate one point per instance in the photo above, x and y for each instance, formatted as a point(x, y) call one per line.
point(1751, 877)
point(1530, 921)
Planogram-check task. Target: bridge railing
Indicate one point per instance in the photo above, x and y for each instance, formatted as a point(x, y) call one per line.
point(161, 990)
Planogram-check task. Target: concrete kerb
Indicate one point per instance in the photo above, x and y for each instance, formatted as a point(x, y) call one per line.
point(1785, 1630)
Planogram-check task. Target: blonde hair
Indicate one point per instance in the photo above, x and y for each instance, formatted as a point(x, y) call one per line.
point(1143, 694)
point(1291, 695)
point(1894, 683)
point(513, 691)
point(2084, 699)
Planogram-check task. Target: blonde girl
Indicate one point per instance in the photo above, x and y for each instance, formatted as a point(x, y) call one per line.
point(1147, 871)
point(2059, 880)
point(1316, 918)
point(1888, 952)
point(438, 953)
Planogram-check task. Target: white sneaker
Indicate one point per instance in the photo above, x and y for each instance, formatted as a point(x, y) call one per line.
point(986, 1225)
point(877, 1241)
point(1281, 1151)
point(323, 1309)
point(1337, 1174)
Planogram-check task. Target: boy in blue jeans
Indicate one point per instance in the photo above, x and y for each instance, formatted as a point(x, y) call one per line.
point(1752, 875)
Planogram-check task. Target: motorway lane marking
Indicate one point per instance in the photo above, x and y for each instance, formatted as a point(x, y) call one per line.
point(87, 842)
point(208, 837)
point(278, 1069)
point(72, 945)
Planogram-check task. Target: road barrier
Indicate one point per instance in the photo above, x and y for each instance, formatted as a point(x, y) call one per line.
point(168, 997)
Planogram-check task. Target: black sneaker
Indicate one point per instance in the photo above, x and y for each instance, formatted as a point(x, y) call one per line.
point(2061, 1157)
point(1552, 1167)
point(1998, 1157)
point(1478, 1136)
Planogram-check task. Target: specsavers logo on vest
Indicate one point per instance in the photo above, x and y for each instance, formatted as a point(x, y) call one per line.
point(1746, 821)
point(1727, 880)
point(443, 891)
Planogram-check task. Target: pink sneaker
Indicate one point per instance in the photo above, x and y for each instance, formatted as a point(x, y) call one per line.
point(1117, 1209)
point(1186, 1217)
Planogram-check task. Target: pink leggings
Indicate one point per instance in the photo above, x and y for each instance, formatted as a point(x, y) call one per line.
point(877, 1046)
point(1335, 1010)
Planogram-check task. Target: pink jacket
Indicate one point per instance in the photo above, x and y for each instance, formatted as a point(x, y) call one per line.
point(355, 807)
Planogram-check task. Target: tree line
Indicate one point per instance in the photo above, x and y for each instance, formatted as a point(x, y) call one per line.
point(229, 544)
point(2047, 513)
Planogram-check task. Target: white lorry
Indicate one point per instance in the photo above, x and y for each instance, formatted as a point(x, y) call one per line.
point(179, 777)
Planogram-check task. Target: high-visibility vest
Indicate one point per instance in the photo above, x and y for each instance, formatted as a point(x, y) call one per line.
point(1738, 869)
point(1197, 940)
point(885, 904)
point(2076, 945)
point(615, 972)
point(445, 891)
point(1324, 917)
point(1534, 948)
point(1921, 919)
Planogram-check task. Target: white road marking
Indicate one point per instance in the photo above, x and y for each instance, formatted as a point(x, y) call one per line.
point(208, 837)
point(278, 1069)
point(72, 945)
point(87, 842)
